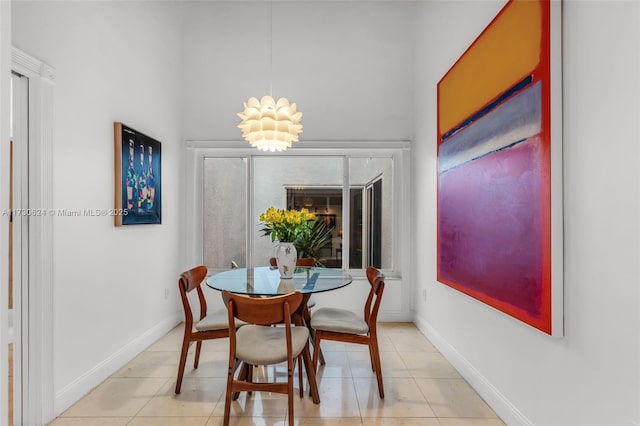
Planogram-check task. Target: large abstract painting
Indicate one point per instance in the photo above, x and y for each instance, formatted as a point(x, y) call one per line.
point(499, 167)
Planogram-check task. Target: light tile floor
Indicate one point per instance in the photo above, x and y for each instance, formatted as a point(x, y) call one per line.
point(421, 388)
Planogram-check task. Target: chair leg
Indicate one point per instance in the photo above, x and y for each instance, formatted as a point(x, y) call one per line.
point(227, 400)
point(311, 375)
point(198, 347)
point(183, 361)
point(307, 320)
point(300, 379)
point(375, 353)
point(316, 349)
point(322, 361)
point(290, 395)
point(371, 356)
point(242, 376)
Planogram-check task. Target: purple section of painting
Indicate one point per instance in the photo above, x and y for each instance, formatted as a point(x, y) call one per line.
point(490, 227)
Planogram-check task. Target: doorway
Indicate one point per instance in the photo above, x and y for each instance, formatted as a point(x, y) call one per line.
point(18, 241)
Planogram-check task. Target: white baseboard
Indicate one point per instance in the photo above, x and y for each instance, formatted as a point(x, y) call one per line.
point(75, 390)
point(508, 412)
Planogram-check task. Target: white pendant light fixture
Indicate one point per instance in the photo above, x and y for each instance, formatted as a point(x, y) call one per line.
point(269, 125)
point(266, 124)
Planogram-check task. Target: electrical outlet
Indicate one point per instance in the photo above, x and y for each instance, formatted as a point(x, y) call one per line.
point(424, 294)
point(166, 293)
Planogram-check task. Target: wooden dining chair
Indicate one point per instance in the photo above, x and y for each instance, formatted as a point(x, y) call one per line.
point(345, 326)
point(308, 262)
point(260, 344)
point(211, 325)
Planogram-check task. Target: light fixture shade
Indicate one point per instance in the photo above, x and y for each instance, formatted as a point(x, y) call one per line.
point(269, 125)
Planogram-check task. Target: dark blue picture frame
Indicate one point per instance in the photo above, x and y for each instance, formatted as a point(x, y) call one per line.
point(138, 183)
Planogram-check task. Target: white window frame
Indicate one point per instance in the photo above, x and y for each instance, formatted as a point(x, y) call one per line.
point(398, 151)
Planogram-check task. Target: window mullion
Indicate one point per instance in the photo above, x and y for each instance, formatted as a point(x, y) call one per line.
point(250, 208)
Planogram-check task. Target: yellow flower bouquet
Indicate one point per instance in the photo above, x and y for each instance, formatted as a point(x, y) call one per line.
point(286, 226)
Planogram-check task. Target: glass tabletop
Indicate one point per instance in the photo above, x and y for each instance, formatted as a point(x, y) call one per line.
point(265, 280)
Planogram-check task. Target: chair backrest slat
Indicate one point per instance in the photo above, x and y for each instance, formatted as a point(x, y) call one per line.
point(303, 261)
point(262, 311)
point(194, 277)
point(190, 280)
point(306, 261)
point(376, 280)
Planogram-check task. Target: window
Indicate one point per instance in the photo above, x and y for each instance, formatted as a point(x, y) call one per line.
point(353, 195)
point(373, 204)
point(225, 211)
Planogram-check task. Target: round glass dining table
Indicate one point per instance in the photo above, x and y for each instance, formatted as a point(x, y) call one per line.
point(265, 281)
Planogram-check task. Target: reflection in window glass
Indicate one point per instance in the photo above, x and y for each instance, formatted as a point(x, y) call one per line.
point(314, 183)
point(371, 206)
point(225, 212)
point(325, 242)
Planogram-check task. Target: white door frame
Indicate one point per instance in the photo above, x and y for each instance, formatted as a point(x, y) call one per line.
point(5, 69)
point(38, 395)
point(20, 246)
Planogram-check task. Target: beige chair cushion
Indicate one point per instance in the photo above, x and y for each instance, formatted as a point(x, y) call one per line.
point(338, 320)
point(216, 320)
point(264, 345)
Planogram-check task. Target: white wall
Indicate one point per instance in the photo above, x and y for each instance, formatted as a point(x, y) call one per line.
point(592, 375)
point(347, 66)
point(115, 61)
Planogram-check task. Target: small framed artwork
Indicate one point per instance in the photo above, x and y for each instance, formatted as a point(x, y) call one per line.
point(138, 189)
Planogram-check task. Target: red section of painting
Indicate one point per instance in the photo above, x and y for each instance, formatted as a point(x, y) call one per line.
point(494, 218)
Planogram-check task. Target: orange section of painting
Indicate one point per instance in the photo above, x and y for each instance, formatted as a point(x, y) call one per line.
point(507, 51)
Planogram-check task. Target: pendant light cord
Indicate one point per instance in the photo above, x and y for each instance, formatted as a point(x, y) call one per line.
point(271, 48)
